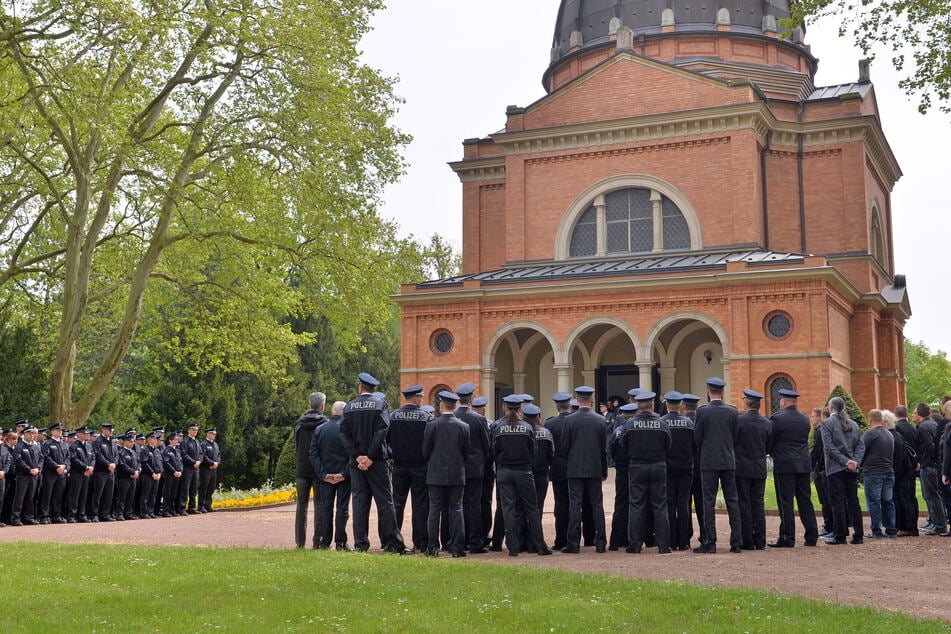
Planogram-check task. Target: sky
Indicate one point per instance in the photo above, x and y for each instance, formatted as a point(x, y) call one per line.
point(457, 65)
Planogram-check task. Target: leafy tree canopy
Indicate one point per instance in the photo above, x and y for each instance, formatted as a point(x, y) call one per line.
point(928, 374)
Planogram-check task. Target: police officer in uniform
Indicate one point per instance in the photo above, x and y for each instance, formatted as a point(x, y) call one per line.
point(513, 445)
point(541, 458)
point(587, 468)
point(751, 445)
point(104, 477)
point(28, 463)
point(211, 460)
point(363, 432)
point(690, 404)
point(620, 517)
point(152, 465)
point(644, 441)
point(172, 476)
point(446, 450)
point(558, 474)
point(680, 459)
point(480, 452)
point(55, 471)
point(715, 430)
point(191, 461)
point(405, 439)
point(127, 472)
point(789, 446)
point(82, 460)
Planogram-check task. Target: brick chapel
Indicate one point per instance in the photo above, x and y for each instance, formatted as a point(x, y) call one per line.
point(682, 203)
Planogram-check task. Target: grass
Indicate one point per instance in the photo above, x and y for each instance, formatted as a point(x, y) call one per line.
point(165, 589)
point(769, 499)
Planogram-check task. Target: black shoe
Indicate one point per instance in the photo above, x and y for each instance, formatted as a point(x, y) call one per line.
point(513, 553)
point(663, 551)
point(613, 548)
point(571, 550)
point(495, 549)
point(780, 544)
point(458, 553)
point(93, 519)
point(736, 549)
point(558, 546)
point(107, 518)
point(763, 546)
point(599, 549)
point(30, 522)
point(58, 520)
point(343, 548)
point(478, 551)
point(631, 550)
point(705, 550)
point(748, 547)
point(44, 521)
point(16, 523)
point(544, 552)
point(432, 552)
point(857, 540)
point(2, 524)
point(835, 542)
point(810, 544)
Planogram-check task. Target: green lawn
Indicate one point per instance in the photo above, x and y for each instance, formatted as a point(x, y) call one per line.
point(769, 500)
point(99, 588)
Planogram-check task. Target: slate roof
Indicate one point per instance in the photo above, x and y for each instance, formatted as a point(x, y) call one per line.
point(833, 92)
point(601, 268)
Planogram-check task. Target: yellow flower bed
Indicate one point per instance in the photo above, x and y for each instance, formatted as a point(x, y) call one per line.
point(276, 497)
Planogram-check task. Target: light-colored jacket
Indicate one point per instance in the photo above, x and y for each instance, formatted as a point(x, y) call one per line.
point(841, 446)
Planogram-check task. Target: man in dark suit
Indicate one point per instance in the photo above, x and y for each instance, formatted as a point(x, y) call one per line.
point(558, 474)
point(792, 466)
point(751, 444)
point(446, 450)
point(586, 467)
point(404, 437)
point(716, 430)
point(906, 476)
point(480, 451)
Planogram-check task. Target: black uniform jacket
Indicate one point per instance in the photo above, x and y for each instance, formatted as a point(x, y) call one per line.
point(55, 453)
point(643, 439)
point(172, 459)
point(514, 447)
point(363, 428)
point(405, 436)
point(558, 426)
point(211, 453)
point(682, 442)
point(751, 445)
point(789, 444)
point(191, 452)
point(105, 453)
point(584, 445)
point(446, 449)
point(715, 431)
point(479, 449)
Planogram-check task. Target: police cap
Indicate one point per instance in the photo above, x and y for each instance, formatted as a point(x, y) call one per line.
point(368, 380)
point(193, 426)
point(716, 383)
point(645, 396)
point(480, 401)
point(56, 426)
point(106, 426)
point(512, 401)
point(561, 397)
point(429, 409)
point(748, 393)
point(584, 390)
point(634, 391)
point(466, 389)
point(448, 397)
point(788, 393)
point(211, 430)
point(530, 409)
point(628, 407)
point(22, 423)
point(526, 398)
point(673, 396)
point(691, 399)
point(71, 434)
point(413, 390)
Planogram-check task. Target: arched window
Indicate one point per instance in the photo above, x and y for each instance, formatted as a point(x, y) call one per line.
point(776, 383)
point(630, 220)
point(877, 239)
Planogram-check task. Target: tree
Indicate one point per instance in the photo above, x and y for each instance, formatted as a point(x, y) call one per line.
point(928, 374)
point(851, 407)
point(919, 29)
point(155, 156)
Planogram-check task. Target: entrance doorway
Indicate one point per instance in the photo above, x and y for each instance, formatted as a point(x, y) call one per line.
point(615, 380)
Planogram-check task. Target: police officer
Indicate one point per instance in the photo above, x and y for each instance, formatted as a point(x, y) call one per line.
point(644, 441)
point(541, 458)
point(55, 471)
point(28, 463)
point(679, 471)
point(172, 476)
point(103, 483)
point(480, 452)
point(751, 444)
point(621, 515)
point(152, 465)
point(479, 404)
point(127, 472)
point(587, 468)
point(789, 446)
point(363, 432)
point(446, 450)
point(715, 430)
point(82, 460)
point(7, 440)
point(191, 461)
point(690, 403)
point(558, 475)
point(211, 460)
point(513, 445)
point(405, 440)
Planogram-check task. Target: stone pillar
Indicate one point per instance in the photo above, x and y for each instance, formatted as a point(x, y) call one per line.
point(644, 369)
point(488, 391)
point(657, 202)
point(588, 377)
point(563, 374)
point(667, 378)
point(602, 224)
point(518, 382)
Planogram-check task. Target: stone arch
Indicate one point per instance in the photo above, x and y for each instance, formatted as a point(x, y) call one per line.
point(622, 181)
point(689, 315)
point(878, 245)
point(582, 326)
point(488, 354)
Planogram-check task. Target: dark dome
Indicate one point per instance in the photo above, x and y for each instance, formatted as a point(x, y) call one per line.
point(592, 18)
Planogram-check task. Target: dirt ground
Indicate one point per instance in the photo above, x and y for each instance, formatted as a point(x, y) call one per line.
point(896, 574)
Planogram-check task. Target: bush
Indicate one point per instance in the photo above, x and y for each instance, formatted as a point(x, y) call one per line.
point(851, 407)
point(285, 471)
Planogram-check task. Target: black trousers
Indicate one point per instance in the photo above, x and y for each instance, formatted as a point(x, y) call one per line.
point(846, 512)
point(148, 487)
point(170, 493)
point(374, 483)
point(51, 498)
point(789, 487)
point(647, 488)
point(696, 493)
point(304, 487)
point(103, 487)
point(619, 521)
point(752, 511)
point(411, 481)
point(488, 484)
point(559, 489)
point(712, 480)
point(472, 512)
point(822, 491)
point(517, 491)
point(207, 481)
point(188, 489)
point(679, 486)
point(24, 498)
point(578, 488)
point(125, 497)
point(906, 504)
point(334, 525)
point(445, 503)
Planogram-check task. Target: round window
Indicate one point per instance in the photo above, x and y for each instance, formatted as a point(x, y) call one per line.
point(441, 341)
point(778, 325)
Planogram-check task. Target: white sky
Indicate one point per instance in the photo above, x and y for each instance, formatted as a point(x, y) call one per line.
point(460, 63)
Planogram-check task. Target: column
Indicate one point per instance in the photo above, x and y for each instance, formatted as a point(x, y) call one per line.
point(488, 391)
point(657, 203)
point(644, 369)
point(667, 377)
point(563, 373)
point(518, 382)
point(602, 225)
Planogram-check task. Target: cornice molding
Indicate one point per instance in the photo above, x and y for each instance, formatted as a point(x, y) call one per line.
point(480, 170)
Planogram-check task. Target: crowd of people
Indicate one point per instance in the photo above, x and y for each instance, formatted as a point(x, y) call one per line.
point(51, 476)
point(447, 463)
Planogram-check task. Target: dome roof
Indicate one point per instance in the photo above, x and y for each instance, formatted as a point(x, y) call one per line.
point(592, 18)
